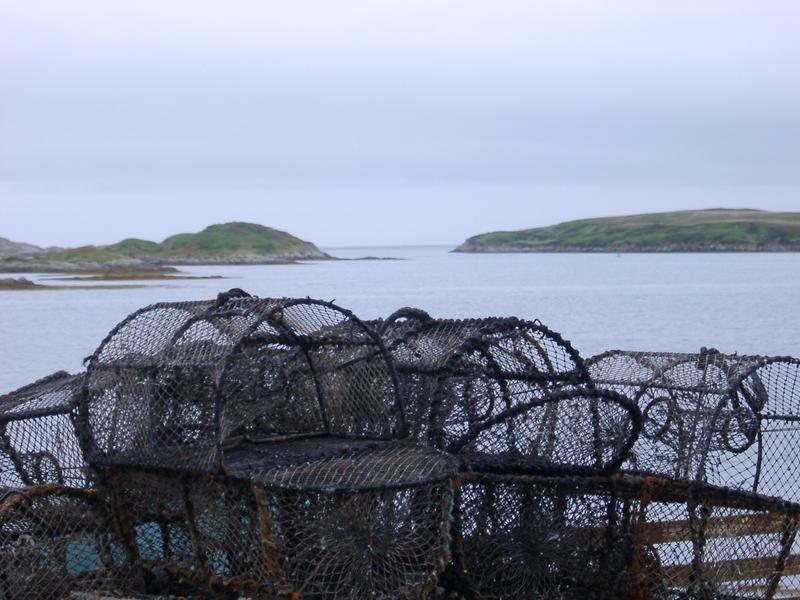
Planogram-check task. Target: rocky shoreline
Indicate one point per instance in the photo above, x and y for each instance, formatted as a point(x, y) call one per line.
point(555, 249)
point(39, 266)
point(26, 285)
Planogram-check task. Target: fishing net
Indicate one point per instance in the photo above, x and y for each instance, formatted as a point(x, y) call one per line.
point(727, 420)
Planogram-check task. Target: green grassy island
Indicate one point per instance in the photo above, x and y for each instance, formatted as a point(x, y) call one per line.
point(712, 230)
point(223, 244)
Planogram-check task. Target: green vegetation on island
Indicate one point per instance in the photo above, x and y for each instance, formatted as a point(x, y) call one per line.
point(223, 244)
point(712, 230)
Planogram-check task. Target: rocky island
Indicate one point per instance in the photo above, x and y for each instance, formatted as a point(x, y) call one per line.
point(712, 230)
point(234, 243)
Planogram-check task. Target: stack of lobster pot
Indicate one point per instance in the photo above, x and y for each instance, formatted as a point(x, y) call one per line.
point(276, 448)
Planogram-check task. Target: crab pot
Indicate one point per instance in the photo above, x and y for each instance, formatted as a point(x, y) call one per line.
point(618, 537)
point(506, 396)
point(38, 441)
point(55, 540)
point(238, 433)
point(727, 420)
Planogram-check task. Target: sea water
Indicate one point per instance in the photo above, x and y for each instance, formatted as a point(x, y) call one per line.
point(744, 303)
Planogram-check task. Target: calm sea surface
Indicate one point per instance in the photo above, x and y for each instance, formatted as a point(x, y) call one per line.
point(745, 303)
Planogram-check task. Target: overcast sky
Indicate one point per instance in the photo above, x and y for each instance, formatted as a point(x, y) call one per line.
point(383, 122)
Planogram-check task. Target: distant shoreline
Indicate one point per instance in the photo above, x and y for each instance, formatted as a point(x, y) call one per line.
point(140, 268)
point(501, 250)
point(712, 230)
point(77, 268)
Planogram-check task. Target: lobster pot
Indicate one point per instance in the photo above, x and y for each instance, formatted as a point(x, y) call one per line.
point(347, 518)
point(388, 543)
point(517, 537)
point(38, 442)
point(728, 420)
point(56, 540)
point(513, 361)
point(507, 396)
point(360, 523)
point(773, 392)
point(618, 537)
point(259, 446)
point(309, 368)
point(175, 384)
point(204, 531)
point(149, 396)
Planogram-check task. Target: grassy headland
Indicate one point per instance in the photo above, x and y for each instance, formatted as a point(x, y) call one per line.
point(223, 244)
point(713, 230)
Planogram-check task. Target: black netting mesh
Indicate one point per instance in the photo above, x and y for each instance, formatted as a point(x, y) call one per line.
point(506, 396)
point(291, 402)
point(618, 537)
point(324, 463)
point(387, 543)
point(175, 383)
point(574, 431)
point(379, 544)
point(723, 419)
point(459, 372)
point(55, 540)
point(38, 442)
point(283, 448)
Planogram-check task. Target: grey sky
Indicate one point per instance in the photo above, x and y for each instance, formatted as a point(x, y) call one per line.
point(345, 122)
